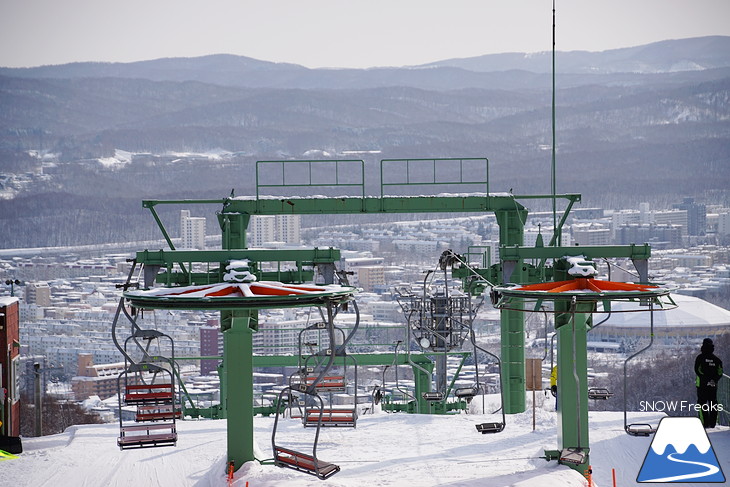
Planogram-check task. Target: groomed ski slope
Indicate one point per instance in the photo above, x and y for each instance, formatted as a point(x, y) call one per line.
point(384, 450)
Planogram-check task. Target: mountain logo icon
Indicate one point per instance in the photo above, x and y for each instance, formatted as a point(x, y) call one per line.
point(680, 452)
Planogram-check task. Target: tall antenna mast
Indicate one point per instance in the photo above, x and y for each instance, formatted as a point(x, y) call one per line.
point(556, 232)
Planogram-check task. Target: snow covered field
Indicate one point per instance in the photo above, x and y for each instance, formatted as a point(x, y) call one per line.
point(384, 450)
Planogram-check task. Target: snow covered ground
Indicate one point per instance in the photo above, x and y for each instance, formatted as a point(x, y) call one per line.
point(384, 450)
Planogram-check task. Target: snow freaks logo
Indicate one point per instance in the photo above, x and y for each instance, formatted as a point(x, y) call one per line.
point(677, 406)
point(680, 452)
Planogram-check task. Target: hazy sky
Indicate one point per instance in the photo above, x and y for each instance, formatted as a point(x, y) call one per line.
point(338, 33)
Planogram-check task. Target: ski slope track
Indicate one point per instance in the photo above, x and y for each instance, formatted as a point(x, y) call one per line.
point(383, 450)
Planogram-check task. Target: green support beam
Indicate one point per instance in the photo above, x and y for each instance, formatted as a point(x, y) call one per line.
point(486, 203)
point(633, 251)
point(512, 340)
point(572, 329)
point(237, 383)
point(361, 358)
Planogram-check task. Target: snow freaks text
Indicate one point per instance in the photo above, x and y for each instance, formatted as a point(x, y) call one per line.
point(677, 406)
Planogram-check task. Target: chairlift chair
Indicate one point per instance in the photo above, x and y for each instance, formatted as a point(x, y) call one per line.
point(638, 429)
point(494, 426)
point(146, 385)
point(328, 382)
point(433, 396)
point(467, 393)
point(294, 459)
point(599, 393)
point(154, 420)
point(302, 462)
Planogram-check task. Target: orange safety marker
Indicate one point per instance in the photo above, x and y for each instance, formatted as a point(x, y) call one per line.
point(588, 474)
point(230, 474)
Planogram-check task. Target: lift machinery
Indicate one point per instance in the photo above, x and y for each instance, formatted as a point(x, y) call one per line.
point(401, 181)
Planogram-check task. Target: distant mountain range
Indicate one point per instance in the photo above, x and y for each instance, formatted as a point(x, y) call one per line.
point(499, 71)
point(648, 123)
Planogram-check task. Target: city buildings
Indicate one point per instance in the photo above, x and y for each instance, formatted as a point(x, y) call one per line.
point(9, 367)
point(264, 230)
point(38, 293)
point(69, 302)
point(192, 231)
point(95, 380)
point(211, 345)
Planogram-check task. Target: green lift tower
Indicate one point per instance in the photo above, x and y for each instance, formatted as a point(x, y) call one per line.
point(401, 184)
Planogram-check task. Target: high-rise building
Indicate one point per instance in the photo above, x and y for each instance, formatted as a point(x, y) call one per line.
point(211, 345)
point(591, 234)
point(723, 223)
point(671, 217)
point(192, 231)
point(261, 229)
point(278, 337)
point(269, 228)
point(696, 216)
point(288, 228)
point(38, 293)
point(622, 218)
point(371, 277)
point(660, 236)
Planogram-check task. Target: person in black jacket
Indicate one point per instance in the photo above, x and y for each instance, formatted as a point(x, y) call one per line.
point(709, 371)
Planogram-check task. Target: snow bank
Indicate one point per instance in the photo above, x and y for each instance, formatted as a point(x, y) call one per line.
point(385, 450)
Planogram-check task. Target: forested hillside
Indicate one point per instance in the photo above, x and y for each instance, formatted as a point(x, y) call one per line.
point(81, 145)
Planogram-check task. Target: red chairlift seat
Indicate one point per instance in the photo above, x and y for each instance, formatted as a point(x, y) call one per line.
point(157, 413)
point(148, 393)
point(284, 457)
point(330, 417)
point(147, 436)
point(334, 383)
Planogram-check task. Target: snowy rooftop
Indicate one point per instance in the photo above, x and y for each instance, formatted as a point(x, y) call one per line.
point(7, 300)
point(690, 311)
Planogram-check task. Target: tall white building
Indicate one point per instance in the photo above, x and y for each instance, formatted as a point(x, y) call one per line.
point(192, 231)
point(671, 217)
point(723, 223)
point(288, 228)
point(274, 228)
point(591, 234)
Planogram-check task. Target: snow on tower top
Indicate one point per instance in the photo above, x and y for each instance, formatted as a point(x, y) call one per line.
point(580, 266)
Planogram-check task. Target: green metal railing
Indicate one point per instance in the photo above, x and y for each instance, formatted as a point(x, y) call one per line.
point(459, 172)
point(471, 172)
point(481, 255)
point(313, 174)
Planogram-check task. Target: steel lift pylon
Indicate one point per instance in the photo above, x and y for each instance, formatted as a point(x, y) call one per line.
point(575, 296)
point(466, 180)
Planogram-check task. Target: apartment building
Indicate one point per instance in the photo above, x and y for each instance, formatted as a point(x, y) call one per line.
point(264, 229)
point(211, 345)
point(192, 231)
point(38, 293)
point(95, 380)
